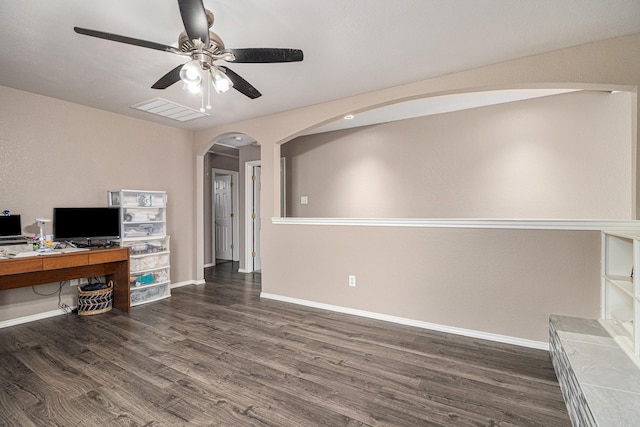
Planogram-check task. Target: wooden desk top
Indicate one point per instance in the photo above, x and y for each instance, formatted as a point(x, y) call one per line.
point(62, 260)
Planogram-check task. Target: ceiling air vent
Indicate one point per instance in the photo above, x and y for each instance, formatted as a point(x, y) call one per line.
point(169, 109)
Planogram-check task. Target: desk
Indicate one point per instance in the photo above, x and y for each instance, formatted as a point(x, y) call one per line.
point(37, 270)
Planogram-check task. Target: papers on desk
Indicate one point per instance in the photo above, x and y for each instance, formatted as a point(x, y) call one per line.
point(44, 253)
point(22, 254)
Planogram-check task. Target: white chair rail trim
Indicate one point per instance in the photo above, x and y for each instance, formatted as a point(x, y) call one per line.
point(526, 224)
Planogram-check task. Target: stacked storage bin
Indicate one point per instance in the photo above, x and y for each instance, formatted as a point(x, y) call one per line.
point(143, 219)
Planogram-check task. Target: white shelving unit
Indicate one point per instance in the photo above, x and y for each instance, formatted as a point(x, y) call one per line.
point(621, 287)
point(143, 228)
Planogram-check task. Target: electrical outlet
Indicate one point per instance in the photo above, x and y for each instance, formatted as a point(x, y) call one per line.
point(352, 281)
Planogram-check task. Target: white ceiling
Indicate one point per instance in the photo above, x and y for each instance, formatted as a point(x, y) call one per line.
point(350, 46)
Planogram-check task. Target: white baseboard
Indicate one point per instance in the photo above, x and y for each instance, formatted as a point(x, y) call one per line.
point(58, 312)
point(243, 270)
point(416, 323)
point(211, 264)
point(32, 318)
point(187, 283)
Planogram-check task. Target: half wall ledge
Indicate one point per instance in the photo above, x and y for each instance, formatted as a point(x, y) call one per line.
point(524, 224)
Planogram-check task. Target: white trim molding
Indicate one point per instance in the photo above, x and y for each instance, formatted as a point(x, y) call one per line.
point(411, 322)
point(248, 211)
point(186, 283)
point(525, 224)
point(33, 317)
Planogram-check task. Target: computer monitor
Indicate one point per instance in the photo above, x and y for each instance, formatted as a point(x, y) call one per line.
point(86, 224)
point(10, 226)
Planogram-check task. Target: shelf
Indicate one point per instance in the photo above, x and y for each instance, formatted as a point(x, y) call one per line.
point(138, 199)
point(630, 235)
point(622, 333)
point(131, 206)
point(166, 282)
point(142, 222)
point(622, 325)
point(144, 237)
point(143, 229)
point(150, 254)
point(133, 304)
point(148, 293)
point(620, 292)
point(622, 283)
point(149, 270)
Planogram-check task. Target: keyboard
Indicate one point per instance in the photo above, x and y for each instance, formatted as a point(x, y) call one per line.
point(13, 240)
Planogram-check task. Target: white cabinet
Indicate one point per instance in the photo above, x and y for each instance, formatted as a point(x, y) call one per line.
point(143, 229)
point(621, 287)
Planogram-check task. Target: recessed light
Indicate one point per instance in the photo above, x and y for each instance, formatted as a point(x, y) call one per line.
point(348, 117)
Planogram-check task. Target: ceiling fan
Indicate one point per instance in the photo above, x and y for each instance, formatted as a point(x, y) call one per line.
point(204, 47)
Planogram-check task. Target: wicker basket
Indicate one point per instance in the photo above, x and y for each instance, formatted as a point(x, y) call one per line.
point(95, 302)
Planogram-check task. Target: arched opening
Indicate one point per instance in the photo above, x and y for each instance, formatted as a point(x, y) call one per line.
point(221, 233)
point(486, 154)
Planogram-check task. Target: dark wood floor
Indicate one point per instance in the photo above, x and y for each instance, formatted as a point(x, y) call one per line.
point(218, 355)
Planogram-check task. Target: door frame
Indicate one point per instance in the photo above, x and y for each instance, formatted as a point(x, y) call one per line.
point(234, 207)
point(248, 210)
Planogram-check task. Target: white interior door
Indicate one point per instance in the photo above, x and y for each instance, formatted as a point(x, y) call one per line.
point(257, 261)
point(223, 217)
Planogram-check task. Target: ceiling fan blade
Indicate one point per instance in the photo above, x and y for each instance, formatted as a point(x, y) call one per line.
point(127, 40)
point(240, 84)
point(194, 19)
point(168, 79)
point(266, 55)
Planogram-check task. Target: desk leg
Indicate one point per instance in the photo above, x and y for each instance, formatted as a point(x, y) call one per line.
point(121, 296)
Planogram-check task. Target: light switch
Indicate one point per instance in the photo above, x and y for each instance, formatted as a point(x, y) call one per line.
point(304, 200)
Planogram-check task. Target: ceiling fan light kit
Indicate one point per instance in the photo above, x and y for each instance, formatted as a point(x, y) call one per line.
point(220, 81)
point(204, 47)
point(191, 73)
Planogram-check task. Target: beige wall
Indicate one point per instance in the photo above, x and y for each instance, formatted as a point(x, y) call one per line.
point(54, 153)
point(504, 282)
point(527, 159)
point(310, 274)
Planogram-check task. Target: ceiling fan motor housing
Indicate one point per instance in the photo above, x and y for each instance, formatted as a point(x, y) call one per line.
point(205, 55)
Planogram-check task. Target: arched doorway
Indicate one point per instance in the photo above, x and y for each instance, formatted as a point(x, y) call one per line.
point(224, 160)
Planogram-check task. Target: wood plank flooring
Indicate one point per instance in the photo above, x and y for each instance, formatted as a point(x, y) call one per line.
point(217, 355)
